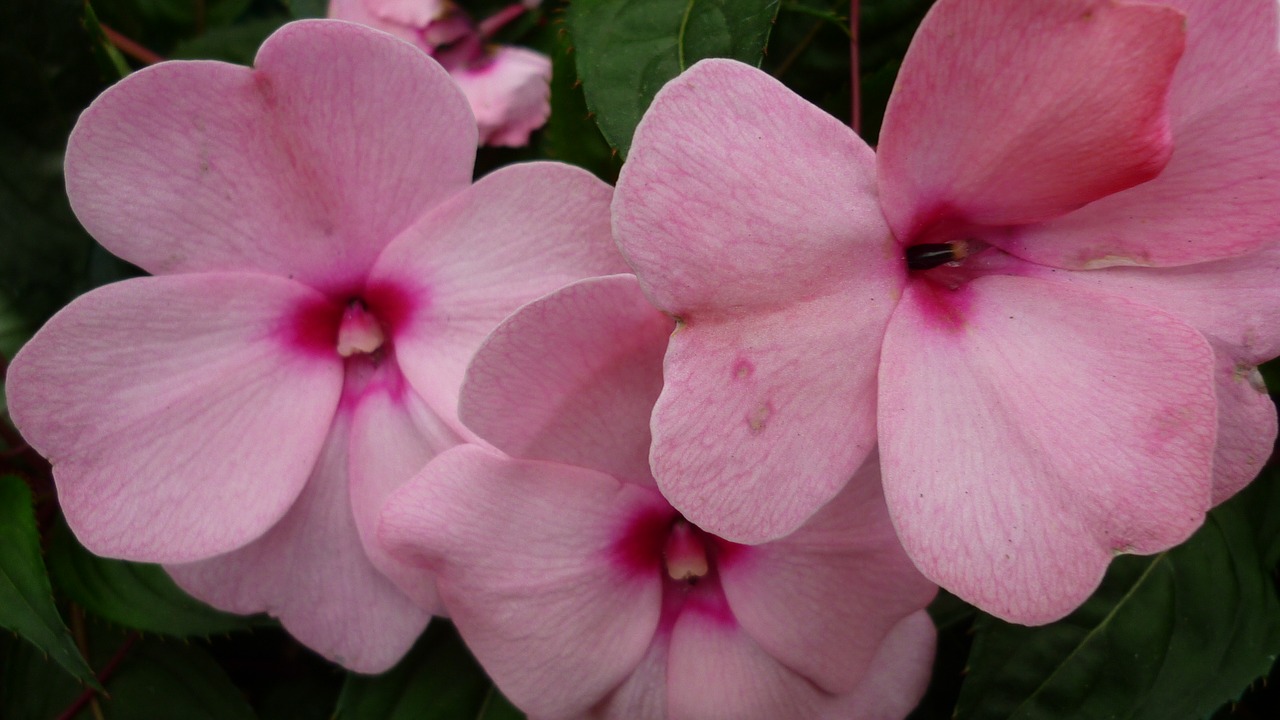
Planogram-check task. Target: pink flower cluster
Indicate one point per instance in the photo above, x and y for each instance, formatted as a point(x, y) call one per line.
point(508, 87)
point(359, 390)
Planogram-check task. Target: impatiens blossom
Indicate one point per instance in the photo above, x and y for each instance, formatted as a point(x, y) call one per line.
point(323, 271)
point(585, 594)
point(508, 87)
point(1045, 297)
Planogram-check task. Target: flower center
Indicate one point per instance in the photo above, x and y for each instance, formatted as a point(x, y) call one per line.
point(685, 553)
point(927, 256)
point(360, 332)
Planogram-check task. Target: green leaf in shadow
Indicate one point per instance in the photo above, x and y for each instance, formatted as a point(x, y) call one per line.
point(26, 597)
point(626, 50)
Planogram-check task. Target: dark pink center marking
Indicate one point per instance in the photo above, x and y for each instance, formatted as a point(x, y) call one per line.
point(345, 324)
point(686, 559)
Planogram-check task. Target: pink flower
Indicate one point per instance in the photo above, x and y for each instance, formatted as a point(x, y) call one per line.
point(1036, 414)
point(585, 594)
point(508, 87)
point(323, 272)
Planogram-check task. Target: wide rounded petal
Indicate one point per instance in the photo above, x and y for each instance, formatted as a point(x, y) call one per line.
point(1029, 431)
point(572, 378)
point(180, 418)
point(514, 236)
point(765, 416)
point(716, 672)
point(739, 194)
point(1235, 303)
point(306, 166)
point(1016, 111)
point(1218, 194)
point(528, 564)
point(822, 600)
point(311, 571)
point(393, 436)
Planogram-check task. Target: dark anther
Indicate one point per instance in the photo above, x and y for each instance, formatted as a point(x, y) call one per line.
point(931, 255)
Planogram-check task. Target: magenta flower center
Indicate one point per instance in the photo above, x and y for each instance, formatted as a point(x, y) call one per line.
point(363, 323)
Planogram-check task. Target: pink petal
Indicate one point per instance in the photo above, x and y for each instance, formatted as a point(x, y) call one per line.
point(416, 13)
point(180, 419)
point(526, 561)
point(510, 94)
point(751, 215)
point(1246, 427)
point(1015, 111)
point(716, 672)
point(643, 695)
point(900, 672)
point(311, 571)
point(1235, 303)
point(1218, 195)
point(572, 378)
point(393, 435)
point(359, 11)
point(306, 166)
point(765, 416)
point(515, 235)
point(739, 195)
point(822, 600)
point(1036, 431)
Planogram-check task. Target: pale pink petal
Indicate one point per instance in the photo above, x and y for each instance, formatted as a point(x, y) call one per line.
point(1218, 195)
point(393, 435)
point(643, 696)
point(510, 94)
point(572, 377)
point(165, 404)
point(306, 166)
point(899, 675)
point(822, 600)
point(416, 13)
point(359, 11)
point(514, 236)
point(739, 194)
point(529, 564)
point(765, 416)
point(1029, 430)
point(1015, 111)
point(716, 672)
point(1235, 303)
point(311, 571)
point(1246, 427)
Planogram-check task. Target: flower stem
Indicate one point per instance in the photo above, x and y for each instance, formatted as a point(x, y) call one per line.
point(130, 48)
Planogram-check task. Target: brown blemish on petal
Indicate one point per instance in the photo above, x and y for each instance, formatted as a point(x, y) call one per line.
point(743, 369)
point(758, 419)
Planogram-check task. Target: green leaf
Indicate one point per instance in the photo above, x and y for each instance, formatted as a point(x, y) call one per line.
point(1165, 637)
point(571, 135)
point(626, 50)
point(172, 681)
point(135, 595)
point(437, 680)
point(233, 43)
point(308, 8)
point(26, 598)
point(32, 687)
point(498, 707)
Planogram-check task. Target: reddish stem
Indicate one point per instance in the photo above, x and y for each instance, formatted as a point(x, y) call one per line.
point(855, 67)
point(104, 675)
point(495, 22)
point(130, 48)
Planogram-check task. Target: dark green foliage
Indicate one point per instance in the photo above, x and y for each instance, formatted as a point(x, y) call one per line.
point(133, 595)
point(26, 598)
point(626, 50)
point(1166, 637)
